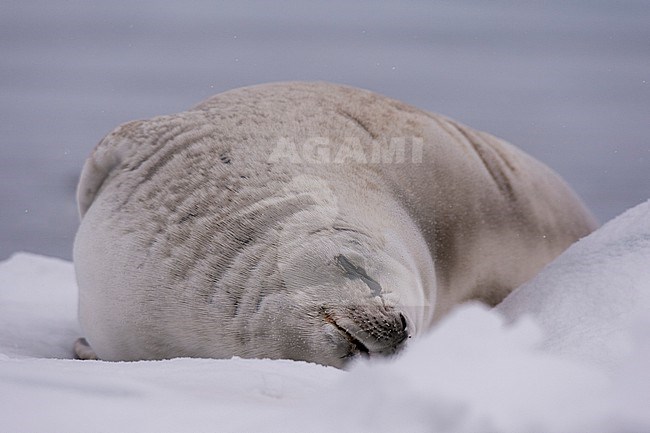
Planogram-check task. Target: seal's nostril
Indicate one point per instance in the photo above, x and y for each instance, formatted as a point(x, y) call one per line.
point(403, 320)
point(402, 333)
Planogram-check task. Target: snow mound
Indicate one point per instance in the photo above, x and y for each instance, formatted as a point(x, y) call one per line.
point(587, 300)
point(472, 374)
point(567, 352)
point(38, 307)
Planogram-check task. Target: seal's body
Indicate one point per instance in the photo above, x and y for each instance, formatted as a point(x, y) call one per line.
point(304, 220)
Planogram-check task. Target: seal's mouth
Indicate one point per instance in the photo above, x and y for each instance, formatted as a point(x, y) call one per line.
point(366, 335)
point(358, 348)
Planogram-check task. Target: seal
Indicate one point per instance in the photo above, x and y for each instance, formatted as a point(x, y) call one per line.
point(308, 221)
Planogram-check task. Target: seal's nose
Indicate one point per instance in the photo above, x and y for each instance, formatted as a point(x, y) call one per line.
point(370, 332)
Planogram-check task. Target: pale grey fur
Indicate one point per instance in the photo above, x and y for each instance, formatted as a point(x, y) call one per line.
point(199, 239)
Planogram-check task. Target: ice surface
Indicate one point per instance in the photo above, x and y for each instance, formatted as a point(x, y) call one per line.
point(567, 352)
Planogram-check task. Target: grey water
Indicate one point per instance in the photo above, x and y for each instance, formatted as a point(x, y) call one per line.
point(566, 80)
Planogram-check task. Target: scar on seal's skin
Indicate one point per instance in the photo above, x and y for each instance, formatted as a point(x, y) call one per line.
point(353, 272)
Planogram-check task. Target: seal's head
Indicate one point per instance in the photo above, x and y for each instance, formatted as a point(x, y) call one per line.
point(331, 331)
point(337, 283)
point(338, 302)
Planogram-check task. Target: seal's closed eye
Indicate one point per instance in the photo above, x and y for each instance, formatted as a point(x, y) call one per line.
point(353, 272)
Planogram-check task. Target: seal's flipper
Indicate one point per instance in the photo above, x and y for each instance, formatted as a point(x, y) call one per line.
point(82, 350)
point(108, 155)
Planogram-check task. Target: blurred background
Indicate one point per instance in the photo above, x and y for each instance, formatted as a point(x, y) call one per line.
point(566, 80)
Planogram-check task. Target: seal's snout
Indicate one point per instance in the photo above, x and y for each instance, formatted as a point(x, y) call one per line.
point(367, 332)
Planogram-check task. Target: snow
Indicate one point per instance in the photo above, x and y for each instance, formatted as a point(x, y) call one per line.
point(586, 301)
point(567, 352)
